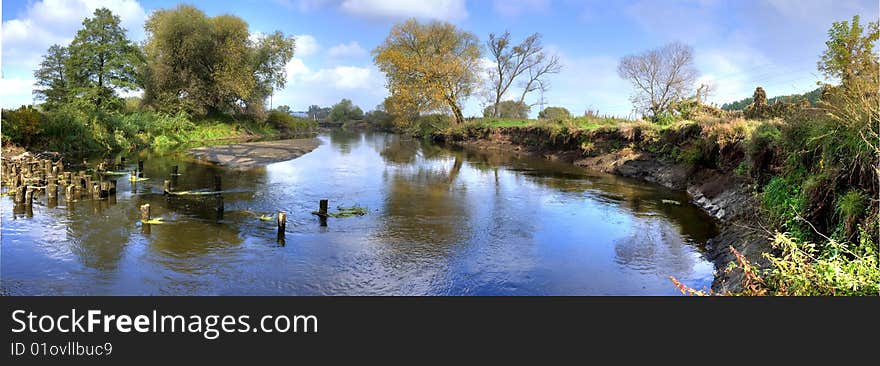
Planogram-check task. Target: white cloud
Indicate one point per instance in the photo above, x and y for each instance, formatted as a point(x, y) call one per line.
point(47, 22)
point(324, 86)
point(351, 49)
point(16, 91)
point(306, 45)
point(399, 9)
point(515, 8)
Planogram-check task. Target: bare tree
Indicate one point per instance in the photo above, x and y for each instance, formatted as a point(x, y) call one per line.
point(660, 76)
point(542, 67)
point(512, 61)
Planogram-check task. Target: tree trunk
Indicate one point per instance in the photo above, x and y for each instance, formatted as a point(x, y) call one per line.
point(456, 111)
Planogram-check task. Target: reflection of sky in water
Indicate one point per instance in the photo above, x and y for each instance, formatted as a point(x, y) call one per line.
point(440, 222)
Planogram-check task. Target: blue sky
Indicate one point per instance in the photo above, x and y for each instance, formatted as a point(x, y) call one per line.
point(738, 44)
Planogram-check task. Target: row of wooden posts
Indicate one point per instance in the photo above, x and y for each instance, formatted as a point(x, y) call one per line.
point(30, 175)
point(169, 185)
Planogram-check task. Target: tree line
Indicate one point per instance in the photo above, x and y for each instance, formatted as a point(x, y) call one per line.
point(189, 63)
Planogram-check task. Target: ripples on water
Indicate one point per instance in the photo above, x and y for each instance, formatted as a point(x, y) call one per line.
point(441, 222)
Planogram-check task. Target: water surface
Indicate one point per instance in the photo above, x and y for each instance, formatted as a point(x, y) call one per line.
point(441, 221)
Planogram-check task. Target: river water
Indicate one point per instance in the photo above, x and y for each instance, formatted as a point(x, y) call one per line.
point(440, 221)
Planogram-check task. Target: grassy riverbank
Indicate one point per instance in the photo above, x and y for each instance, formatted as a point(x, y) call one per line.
point(813, 179)
point(74, 130)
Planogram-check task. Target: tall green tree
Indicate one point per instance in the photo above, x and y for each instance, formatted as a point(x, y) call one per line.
point(52, 78)
point(102, 60)
point(345, 111)
point(204, 65)
point(850, 50)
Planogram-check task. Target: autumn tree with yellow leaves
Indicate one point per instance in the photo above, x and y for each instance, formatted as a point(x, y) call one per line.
point(429, 67)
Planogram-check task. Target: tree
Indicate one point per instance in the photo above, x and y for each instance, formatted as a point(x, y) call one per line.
point(527, 58)
point(850, 50)
point(432, 66)
point(51, 77)
point(554, 113)
point(660, 76)
point(759, 107)
point(345, 111)
point(102, 59)
point(204, 65)
point(507, 109)
point(315, 112)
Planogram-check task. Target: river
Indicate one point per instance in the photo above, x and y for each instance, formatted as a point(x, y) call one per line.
point(440, 221)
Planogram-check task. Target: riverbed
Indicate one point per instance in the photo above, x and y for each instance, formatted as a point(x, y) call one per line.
point(440, 221)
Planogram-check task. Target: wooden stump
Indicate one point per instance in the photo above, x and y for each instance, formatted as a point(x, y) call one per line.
point(69, 192)
point(19, 194)
point(282, 224)
point(140, 169)
point(29, 196)
point(145, 212)
point(166, 187)
point(105, 189)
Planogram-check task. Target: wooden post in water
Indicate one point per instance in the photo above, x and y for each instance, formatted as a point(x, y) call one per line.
point(174, 170)
point(51, 190)
point(323, 207)
point(68, 193)
point(322, 211)
point(105, 189)
point(29, 196)
point(218, 197)
point(19, 194)
point(112, 189)
point(121, 162)
point(145, 212)
point(140, 168)
point(282, 224)
point(166, 187)
point(96, 191)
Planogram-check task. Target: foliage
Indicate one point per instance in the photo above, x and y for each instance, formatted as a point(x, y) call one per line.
point(554, 113)
point(52, 80)
point(284, 121)
point(345, 111)
point(507, 109)
point(102, 60)
point(379, 118)
point(803, 269)
point(429, 67)
point(850, 50)
point(204, 65)
point(811, 97)
point(23, 125)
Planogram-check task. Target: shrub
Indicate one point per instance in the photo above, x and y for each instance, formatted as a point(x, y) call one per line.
point(554, 114)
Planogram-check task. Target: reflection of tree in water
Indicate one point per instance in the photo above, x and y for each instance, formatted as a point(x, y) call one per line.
point(95, 234)
point(654, 246)
point(343, 140)
point(99, 231)
point(179, 246)
point(424, 208)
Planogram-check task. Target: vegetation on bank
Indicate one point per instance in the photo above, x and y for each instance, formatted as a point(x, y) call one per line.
point(190, 92)
point(814, 166)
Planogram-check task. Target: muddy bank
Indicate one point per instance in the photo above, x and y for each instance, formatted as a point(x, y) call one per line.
point(251, 154)
point(723, 194)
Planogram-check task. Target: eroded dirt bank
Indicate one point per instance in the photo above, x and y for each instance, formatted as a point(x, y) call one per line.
point(717, 189)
